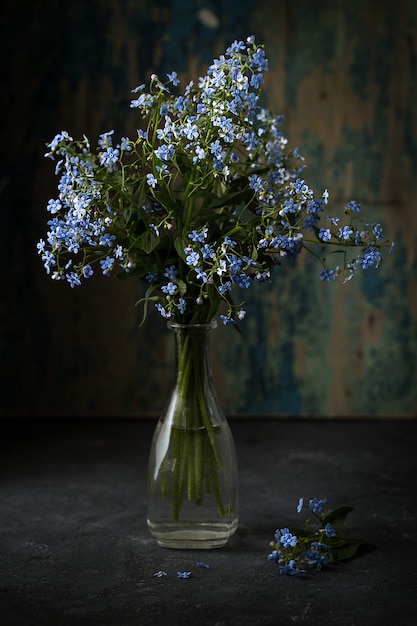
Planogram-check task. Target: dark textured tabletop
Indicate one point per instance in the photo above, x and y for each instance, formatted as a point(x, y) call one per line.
point(75, 549)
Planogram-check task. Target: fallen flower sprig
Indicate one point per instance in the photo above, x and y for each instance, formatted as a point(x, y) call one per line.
point(297, 550)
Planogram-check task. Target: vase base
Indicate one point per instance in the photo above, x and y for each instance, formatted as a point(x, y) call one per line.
point(193, 536)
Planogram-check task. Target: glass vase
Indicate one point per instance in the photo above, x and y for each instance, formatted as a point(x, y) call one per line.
point(192, 472)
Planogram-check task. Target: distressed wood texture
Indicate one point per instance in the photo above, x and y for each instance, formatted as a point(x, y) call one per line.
point(344, 75)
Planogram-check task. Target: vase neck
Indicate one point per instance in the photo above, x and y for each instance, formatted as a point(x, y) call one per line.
point(192, 352)
point(193, 389)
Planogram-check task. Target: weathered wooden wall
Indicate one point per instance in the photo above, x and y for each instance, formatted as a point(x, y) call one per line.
point(344, 74)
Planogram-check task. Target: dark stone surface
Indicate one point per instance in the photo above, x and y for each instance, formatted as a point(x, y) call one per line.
point(75, 549)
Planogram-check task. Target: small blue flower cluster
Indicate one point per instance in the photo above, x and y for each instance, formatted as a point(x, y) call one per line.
point(206, 199)
point(185, 574)
point(298, 551)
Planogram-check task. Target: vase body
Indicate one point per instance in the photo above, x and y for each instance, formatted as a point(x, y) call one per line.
point(192, 471)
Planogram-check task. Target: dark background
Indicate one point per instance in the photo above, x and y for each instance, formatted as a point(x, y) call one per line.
point(344, 75)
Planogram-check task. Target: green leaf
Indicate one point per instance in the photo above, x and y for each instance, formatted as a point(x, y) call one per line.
point(127, 213)
point(180, 244)
point(214, 298)
point(350, 549)
point(145, 301)
point(337, 517)
point(165, 200)
point(239, 232)
point(148, 241)
point(139, 195)
point(303, 533)
point(181, 286)
point(231, 198)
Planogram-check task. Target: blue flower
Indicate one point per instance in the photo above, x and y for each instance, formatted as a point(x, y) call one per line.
point(325, 234)
point(182, 305)
point(275, 556)
point(225, 288)
point(109, 158)
point(199, 154)
point(165, 152)
point(192, 258)
point(201, 275)
point(244, 281)
point(314, 207)
point(378, 232)
point(333, 220)
point(300, 505)
point(290, 569)
point(107, 240)
point(198, 236)
point(352, 206)
point(329, 530)
point(169, 289)
point(107, 265)
point(226, 319)
point(145, 101)
point(171, 272)
point(105, 139)
point(183, 574)
point(255, 182)
point(190, 131)
point(87, 271)
point(207, 251)
point(345, 232)
point(173, 77)
point(315, 556)
point(327, 275)
point(370, 258)
point(163, 311)
point(73, 279)
point(54, 206)
point(301, 188)
point(286, 538)
point(124, 144)
point(151, 180)
point(152, 277)
point(216, 149)
point(317, 505)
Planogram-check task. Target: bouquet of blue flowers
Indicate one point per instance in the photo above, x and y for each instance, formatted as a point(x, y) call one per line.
point(206, 196)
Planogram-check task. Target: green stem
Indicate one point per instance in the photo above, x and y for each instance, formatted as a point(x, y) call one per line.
point(197, 461)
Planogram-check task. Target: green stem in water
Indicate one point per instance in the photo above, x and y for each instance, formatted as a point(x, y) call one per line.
point(196, 460)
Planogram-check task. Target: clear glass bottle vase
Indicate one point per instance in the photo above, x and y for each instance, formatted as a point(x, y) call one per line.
point(192, 472)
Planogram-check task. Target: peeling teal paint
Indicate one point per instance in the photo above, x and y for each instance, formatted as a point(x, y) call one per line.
point(321, 32)
point(388, 379)
point(187, 35)
point(314, 148)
